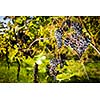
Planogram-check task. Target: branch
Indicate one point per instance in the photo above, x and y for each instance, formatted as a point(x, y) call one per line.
point(95, 48)
point(24, 49)
point(18, 69)
point(37, 40)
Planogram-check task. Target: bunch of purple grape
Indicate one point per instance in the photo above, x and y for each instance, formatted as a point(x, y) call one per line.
point(78, 43)
point(52, 68)
point(58, 36)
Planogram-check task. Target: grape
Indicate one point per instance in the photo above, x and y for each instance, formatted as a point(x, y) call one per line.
point(72, 45)
point(81, 45)
point(54, 62)
point(58, 61)
point(52, 69)
point(78, 42)
point(58, 36)
point(77, 27)
point(66, 41)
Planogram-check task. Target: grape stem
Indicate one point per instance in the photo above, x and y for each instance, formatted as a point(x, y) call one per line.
point(95, 48)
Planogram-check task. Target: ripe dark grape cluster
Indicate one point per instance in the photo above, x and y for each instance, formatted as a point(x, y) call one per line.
point(58, 36)
point(52, 68)
point(52, 71)
point(78, 42)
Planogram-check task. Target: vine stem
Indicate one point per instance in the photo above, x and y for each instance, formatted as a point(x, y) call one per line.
point(32, 44)
point(35, 71)
point(18, 70)
point(95, 48)
point(37, 40)
point(85, 71)
point(7, 58)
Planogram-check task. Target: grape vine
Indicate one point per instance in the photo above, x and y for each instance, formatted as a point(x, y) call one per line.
point(49, 49)
point(78, 41)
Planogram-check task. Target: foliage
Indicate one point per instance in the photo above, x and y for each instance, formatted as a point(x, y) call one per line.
point(29, 40)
